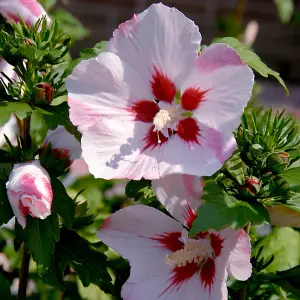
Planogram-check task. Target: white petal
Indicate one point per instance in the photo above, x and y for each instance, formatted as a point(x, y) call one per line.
point(129, 232)
point(30, 10)
point(160, 36)
point(113, 149)
point(104, 86)
point(177, 193)
point(239, 265)
point(60, 139)
point(228, 84)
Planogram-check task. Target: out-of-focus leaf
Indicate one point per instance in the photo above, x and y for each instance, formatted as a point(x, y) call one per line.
point(6, 212)
point(4, 288)
point(70, 24)
point(251, 59)
point(285, 9)
point(22, 110)
point(284, 244)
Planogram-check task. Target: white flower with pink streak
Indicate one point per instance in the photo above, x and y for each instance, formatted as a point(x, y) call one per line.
point(151, 106)
point(168, 265)
point(63, 144)
point(29, 10)
point(29, 191)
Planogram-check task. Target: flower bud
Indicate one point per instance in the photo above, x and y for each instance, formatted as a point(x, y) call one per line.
point(63, 144)
point(45, 92)
point(29, 191)
point(278, 162)
point(251, 186)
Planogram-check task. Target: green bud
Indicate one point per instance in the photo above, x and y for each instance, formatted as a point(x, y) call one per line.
point(278, 162)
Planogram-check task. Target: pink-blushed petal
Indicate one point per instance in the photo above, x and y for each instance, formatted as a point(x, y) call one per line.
point(281, 215)
point(104, 86)
point(217, 56)
point(134, 232)
point(228, 89)
point(239, 265)
point(160, 37)
point(29, 10)
point(62, 140)
point(117, 146)
point(199, 159)
point(180, 195)
point(236, 252)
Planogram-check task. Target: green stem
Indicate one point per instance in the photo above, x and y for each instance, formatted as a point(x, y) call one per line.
point(243, 291)
point(24, 273)
point(24, 125)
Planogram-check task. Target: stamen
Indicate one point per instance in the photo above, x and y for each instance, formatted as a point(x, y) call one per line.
point(193, 251)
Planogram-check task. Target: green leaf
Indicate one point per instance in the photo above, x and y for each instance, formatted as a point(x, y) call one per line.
point(251, 59)
point(234, 166)
point(4, 288)
point(6, 212)
point(70, 24)
point(284, 244)
point(48, 4)
point(140, 190)
point(285, 9)
point(62, 203)
point(89, 264)
point(40, 236)
point(221, 210)
point(292, 177)
point(59, 115)
point(22, 110)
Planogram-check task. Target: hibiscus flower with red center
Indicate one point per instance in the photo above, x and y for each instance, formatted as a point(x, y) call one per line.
point(151, 105)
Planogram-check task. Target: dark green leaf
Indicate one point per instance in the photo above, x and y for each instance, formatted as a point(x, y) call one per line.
point(89, 264)
point(251, 59)
point(6, 212)
point(285, 9)
point(4, 288)
point(140, 190)
point(221, 210)
point(22, 110)
point(234, 166)
point(40, 236)
point(62, 203)
point(59, 115)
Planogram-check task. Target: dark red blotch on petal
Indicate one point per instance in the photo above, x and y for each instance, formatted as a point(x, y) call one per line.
point(182, 274)
point(188, 130)
point(163, 88)
point(152, 140)
point(169, 240)
point(145, 110)
point(191, 98)
point(208, 272)
point(216, 243)
point(189, 216)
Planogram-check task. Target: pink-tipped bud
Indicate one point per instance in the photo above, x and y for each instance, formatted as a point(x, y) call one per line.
point(63, 144)
point(46, 91)
point(29, 191)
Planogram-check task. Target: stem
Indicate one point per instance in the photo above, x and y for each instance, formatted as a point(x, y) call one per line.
point(24, 126)
point(243, 291)
point(24, 273)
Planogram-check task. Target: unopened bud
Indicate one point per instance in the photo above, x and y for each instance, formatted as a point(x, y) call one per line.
point(278, 162)
point(251, 185)
point(46, 92)
point(29, 191)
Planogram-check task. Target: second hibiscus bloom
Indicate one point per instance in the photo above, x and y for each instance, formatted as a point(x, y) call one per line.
point(151, 106)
